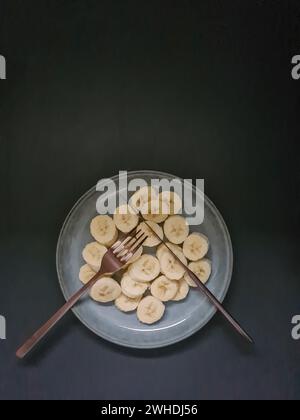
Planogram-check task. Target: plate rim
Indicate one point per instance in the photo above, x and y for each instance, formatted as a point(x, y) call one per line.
point(170, 341)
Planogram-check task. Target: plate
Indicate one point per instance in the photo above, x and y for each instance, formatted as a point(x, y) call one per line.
point(181, 319)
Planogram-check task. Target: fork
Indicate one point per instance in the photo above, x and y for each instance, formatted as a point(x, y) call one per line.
point(113, 260)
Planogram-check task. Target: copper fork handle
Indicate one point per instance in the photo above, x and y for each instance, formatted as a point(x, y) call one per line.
point(44, 329)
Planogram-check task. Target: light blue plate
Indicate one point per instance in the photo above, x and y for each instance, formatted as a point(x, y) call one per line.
point(181, 319)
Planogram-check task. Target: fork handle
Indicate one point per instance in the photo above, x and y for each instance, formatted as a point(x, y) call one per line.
point(44, 329)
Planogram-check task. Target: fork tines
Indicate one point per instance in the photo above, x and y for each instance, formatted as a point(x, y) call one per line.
point(125, 249)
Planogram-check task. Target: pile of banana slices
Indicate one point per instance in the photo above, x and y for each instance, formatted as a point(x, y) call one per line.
point(155, 277)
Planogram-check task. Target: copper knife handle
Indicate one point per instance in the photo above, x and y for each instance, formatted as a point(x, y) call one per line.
point(205, 290)
point(219, 306)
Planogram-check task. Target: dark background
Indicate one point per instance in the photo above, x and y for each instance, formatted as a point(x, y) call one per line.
point(198, 89)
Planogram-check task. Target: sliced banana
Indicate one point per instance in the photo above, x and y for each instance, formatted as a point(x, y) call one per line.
point(145, 269)
point(195, 246)
point(132, 288)
point(125, 219)
point(93, 254)
point(172, 201)
point(162, 275)
point(170, 267)
point(150, 310)
point(176, 229)
point(103, 229)
point(105, 290)
point(86, 274)
point(127, 304)
point(142, 197)
point(162, 248)
point(201, 268)
point(155, 211)
point(152, 240)
point(183, 290)
point(164, 289)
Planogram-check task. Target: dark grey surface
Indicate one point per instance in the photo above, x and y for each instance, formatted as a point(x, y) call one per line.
point(199, 89)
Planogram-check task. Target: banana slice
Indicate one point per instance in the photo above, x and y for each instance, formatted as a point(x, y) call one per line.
point(103, 229)
point(142, 197)
point(127, 304)
point(202, 269)
point(145, 269)
point(162, 248)
point(93, 254)
point(183, 290)
point(125, 219)
point(155, 211)
point(152, 240)
point(170, 267)
point(176, 229)
point(105, 290)
point(86, 274)
point(172, 201)
point(150, 310)
point(164, 289)
point(196, 246)
point(132, 288)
